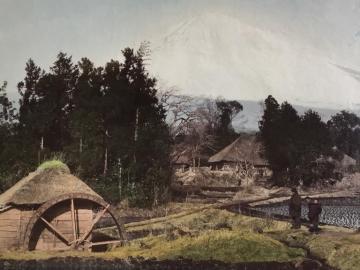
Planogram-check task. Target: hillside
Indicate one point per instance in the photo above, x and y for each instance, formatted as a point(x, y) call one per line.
point(213, 53)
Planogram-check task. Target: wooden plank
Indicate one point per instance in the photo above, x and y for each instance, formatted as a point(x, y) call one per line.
point(10, 223)
point(12, 214)
point(68, 224)
point(9, 229)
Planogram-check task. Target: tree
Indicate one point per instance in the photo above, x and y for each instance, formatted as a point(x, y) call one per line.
point(86, 121)
point(314, 142)
point(345, 129)
point(46, 102)
point(180, 111)
point(8, 146)
point(225, 132)
point(293, 143)
point(137, 140)
point(270, 133)
point(7, 112)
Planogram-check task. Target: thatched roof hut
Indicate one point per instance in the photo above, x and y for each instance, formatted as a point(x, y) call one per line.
point(43, 185)
point(246, 148)
point(344, 162)
point(50, 209)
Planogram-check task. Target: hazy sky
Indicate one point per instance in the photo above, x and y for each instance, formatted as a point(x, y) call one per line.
point(100, 29)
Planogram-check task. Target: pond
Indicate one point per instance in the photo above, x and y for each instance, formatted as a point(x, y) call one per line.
point(343, 212)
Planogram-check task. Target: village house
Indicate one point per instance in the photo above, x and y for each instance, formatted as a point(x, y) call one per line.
point(246, 151)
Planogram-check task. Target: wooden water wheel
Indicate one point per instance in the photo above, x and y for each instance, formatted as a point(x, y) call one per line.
point(69, 222)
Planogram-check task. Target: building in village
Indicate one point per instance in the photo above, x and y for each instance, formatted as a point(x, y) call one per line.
point(245, 152)
point(342, 164)
point(51, 209)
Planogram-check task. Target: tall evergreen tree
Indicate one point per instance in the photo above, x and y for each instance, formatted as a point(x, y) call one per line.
point(293, 143)
point(224, 131)
point(345, 131)
point(86, 121)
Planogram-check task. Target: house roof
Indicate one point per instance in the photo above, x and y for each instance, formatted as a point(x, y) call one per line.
point(245, 148)
point(347, 161)
point(183, 157)
point(43, 185)
point(342, 161)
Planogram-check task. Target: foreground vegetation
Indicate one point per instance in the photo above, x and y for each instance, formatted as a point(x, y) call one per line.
point(213, 234)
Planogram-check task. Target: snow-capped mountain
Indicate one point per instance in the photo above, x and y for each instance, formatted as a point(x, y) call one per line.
point(219, 55)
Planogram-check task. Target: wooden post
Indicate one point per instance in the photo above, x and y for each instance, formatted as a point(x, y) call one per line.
point(73, 219)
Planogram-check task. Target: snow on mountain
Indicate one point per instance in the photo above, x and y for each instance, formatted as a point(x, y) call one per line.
point(219, 55)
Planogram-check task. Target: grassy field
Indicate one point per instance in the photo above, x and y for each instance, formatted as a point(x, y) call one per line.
point(206, 233)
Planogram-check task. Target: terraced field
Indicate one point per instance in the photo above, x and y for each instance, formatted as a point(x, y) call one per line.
point(344, 212)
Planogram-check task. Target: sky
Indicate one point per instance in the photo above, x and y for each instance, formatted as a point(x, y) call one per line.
point(39, 29)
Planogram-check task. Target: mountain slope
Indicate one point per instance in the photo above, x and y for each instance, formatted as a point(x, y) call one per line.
point(218, 55)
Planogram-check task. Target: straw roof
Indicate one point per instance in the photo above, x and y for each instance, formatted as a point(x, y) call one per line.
point(347, 161)
point(182, 158)
point(245, 148)
point(343, 163)
point(43, 185)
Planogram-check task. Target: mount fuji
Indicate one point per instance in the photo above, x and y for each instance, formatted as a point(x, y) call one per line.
point(220, 55)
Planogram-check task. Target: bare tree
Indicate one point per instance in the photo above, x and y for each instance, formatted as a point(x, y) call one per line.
point(192, 119)
point(180, 110)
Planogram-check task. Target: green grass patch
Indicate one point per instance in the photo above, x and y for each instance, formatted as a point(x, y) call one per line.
point(52, 164)
point(339, 247)
point(223, 245)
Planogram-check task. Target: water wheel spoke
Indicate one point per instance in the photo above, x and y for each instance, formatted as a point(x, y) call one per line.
point(91, 227)
point(73, 221)
point(55, 231)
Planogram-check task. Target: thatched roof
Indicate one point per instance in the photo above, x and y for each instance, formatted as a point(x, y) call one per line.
point(244, 148)
point(343, 163)
point(43, 185)
point(347, 161)
point(182, 158)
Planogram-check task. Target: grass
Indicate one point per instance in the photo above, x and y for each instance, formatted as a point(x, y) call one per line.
point(340, 248)
point(204, 234)
point(206, 218)
point(223, 245)
point(52, 164)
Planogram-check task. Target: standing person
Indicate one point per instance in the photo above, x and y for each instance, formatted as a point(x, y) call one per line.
point(315, 210)
point(295, 208)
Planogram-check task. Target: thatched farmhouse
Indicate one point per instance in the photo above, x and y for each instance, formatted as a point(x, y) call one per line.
point(245, 151)
point(51, 209)
point(181, 160)
point(344, 163)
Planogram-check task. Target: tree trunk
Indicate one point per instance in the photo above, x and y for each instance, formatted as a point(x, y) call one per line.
point(105, 161)
point(41, 149)
point(120, 180)
point(136, 132)
point(106, 153)
point(81, 145)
